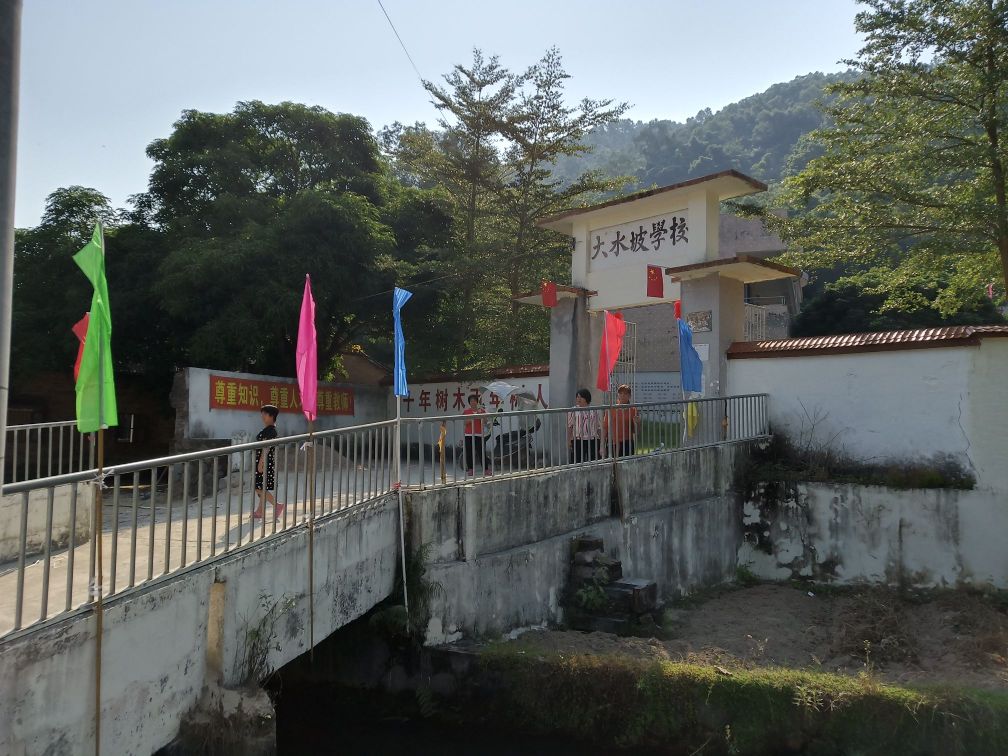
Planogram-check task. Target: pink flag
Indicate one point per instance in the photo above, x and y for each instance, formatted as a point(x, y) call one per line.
point(307, 355)
point(612, 343)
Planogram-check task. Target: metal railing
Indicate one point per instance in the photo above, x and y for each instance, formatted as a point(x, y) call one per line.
point(755, 328)
point(41, 450)
point(166, 515)
point(460, 449)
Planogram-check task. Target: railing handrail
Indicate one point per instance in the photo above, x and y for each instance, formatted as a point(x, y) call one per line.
point(146, 464)
point(169, 514)
point(143, 465)
point(548, 410)
point(52, 424)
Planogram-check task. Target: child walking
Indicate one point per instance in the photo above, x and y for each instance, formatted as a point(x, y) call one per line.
point(265, 478)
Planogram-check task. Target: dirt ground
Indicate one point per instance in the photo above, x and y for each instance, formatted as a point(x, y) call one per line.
point(939, 638)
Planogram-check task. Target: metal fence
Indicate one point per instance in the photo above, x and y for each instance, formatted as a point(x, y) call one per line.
point(165, 515)
point(41, 450)
point(453, 449)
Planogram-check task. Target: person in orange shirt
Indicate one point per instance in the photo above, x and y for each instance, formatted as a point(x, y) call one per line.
point(474, 435)
point(621, 425)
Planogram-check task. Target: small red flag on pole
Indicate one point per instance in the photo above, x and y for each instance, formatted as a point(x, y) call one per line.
point(655, 282)
point(549, 294)
point(678, 309)
point(80, 331)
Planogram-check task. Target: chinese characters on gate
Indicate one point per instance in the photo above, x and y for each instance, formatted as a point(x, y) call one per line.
point(249, 395)
point(649, 240)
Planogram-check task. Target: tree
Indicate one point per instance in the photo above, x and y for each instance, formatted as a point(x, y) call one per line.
point(465, 160)
point(911, 175)
point(855, 304)
point(50, 294)
point(249, 202)
point(500, 139)
point(543, 130)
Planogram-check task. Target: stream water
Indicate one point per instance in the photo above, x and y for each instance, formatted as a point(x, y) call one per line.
point(311, 722)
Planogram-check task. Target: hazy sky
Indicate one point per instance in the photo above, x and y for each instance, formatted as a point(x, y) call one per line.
point(100, 79)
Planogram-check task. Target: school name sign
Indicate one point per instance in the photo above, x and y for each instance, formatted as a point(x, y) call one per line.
point(248, 395)
point(661, 239)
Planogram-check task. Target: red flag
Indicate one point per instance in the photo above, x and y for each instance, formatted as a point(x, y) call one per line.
point(655, 282)
point(80, 331)
point(612, 342)
point(678, 309)
point(549, 294)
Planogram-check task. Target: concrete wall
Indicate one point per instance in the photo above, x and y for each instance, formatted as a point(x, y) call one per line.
point(575, 337)
point(196, 420)
point(11, 507)
point(158, 652)
point(850, 534)
point(988, 414)
point(746, 236)
point(501, 550)
point(904, 405)
point(724, 298)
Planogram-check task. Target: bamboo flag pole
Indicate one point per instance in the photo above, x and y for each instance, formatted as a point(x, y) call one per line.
point(399, 298)
point(98, 523)
point(311, 540)
point(402, 530)
point(442, 440)
point(306, 363)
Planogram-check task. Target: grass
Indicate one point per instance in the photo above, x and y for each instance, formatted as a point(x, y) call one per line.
point(693, 708)
point(655, 433)
point(788, 462)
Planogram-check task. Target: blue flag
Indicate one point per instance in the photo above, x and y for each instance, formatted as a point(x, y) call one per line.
point(399, 298)
point(690, 366)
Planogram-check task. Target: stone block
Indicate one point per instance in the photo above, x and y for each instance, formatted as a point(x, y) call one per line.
point(587, 543)
point(634, 595)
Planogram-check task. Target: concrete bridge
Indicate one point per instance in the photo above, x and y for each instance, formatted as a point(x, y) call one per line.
point(196, 595)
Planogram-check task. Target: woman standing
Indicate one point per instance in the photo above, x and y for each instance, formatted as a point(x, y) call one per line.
point(583, 429)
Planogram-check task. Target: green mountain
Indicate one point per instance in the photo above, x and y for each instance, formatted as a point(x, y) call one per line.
point(758, 135)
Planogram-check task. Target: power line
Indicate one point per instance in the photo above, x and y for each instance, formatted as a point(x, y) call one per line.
point(401, 43)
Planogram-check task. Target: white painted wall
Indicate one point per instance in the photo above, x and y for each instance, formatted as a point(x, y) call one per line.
point(901, 405)
point(851, 534)
point(988, 413)
point(155, 650)
point(371, 404)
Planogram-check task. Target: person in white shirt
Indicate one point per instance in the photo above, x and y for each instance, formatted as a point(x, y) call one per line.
point(583, 429)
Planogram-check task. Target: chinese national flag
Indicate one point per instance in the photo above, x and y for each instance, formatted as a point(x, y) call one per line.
point(549, 294)
point(655, 282)
point(678, 309)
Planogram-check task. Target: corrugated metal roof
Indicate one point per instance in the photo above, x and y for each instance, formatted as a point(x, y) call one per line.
point(921, 338)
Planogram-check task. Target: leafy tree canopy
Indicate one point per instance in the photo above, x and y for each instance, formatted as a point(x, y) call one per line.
point(910, 175)
point(252, 200)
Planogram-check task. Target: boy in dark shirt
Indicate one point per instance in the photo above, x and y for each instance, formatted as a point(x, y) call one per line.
point(265, 478)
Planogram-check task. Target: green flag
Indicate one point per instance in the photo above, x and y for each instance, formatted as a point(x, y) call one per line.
point(96, 402)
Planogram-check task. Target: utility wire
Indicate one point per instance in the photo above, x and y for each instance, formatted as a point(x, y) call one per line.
point(401, 43)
